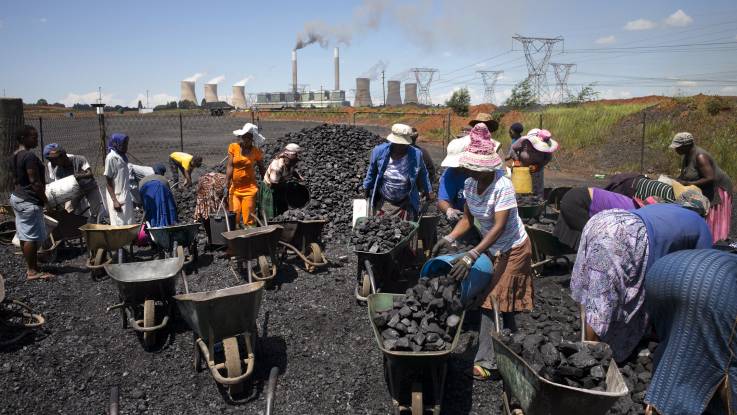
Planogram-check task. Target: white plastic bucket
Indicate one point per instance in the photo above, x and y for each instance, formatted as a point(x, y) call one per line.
point(360, 209)
point(61, 191)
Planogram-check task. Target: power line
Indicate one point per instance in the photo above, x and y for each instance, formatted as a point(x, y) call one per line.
point(490, 79)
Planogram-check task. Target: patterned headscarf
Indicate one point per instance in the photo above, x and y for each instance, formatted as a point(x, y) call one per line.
point(53, 150)
point(480, 155)
point(116, 144)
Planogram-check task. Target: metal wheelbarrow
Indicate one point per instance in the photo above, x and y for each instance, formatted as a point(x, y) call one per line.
point(531, 211)
point(258, 244)
point(221, 317)
point(538, 395)
point(416, 379)
point(546, 248)
point(302, 238)
point(103, 240)
point(385, 265)
point(173, 239)
point(146, 283)
point(17, 319)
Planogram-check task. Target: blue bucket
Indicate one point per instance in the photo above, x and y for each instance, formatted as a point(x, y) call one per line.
point(476, 283)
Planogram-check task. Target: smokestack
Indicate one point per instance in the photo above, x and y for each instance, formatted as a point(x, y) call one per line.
point(363, 92)
point(294, 71)
point(410, 93)
point(211, 93)
point(187, 93)
point(239, 97)
point(393, 96)
point(336, 59)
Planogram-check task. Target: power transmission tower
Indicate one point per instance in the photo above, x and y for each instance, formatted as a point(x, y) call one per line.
point(424, 76)
point(490, 78)
point(562, 72)
point(537, 53)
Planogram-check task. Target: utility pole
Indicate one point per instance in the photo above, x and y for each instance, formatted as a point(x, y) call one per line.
point(562, 71)
point(424, 77)
point(537, 53)
point(490, 78)
point(383, 87)
point(147, 99)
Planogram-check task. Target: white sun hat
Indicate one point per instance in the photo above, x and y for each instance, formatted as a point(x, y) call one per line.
point(258, 139)
point(401, 134)
point(455, 148)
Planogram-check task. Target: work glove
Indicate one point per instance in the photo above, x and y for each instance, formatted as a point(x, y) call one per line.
point(444, 242)
point(462, 265)
point(453, 214)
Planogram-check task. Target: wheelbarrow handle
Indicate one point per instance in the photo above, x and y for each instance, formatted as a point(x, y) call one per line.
point(136, 325)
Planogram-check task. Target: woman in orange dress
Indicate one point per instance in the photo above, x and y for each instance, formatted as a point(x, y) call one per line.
point(240, 178)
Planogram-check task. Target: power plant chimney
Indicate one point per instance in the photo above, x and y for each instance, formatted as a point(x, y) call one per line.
point(336, 59)
point(187, 93)
point(393, 96)
point(410, 93)
point(294, 71)
point(239, 97)
point(211, 93)
point(363, 92)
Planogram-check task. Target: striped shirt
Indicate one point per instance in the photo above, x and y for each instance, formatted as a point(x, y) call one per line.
point(395, 185)
point(278, 171)
point(498, 197)
point(645, 188)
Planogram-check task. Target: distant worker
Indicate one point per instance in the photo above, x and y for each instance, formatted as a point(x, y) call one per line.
point(118, 194)
point(535, 150)
point(62, 165)
point(515, 132)
point(241, 186)
point(700, 169)
point(185, 164)
point(158, 202)
point(137, 174)
point(426, 157)
point(280, 170)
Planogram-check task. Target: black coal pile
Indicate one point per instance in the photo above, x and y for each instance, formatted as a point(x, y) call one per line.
point(425, 320)
point(575, 364)
point(299, 214)
point(529, 200)
point(186, 200)
point(333, 161)
point(637, 373)
point(379, 234)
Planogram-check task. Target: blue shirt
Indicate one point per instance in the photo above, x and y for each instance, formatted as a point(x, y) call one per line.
point(672, 228)
point(417, 173)
point(451, 187)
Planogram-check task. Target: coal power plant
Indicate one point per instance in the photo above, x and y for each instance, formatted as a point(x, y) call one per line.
point(187, 92)
point(363, 92)
point(239, 97)
point(393, 96)
point(211, 93)
point(296, 98)
point(410, 93)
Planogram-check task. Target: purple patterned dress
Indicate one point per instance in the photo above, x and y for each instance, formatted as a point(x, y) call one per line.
point(608, 278)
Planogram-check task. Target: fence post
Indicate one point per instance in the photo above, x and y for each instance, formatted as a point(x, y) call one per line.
point(642, 144)
point(354, 118)
point(541, 120)
point(253, 116)
point(41, 134)
point(181, 133)
point(447, 134)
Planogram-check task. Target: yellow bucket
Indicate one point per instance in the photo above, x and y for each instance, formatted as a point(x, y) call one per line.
point(522, 180)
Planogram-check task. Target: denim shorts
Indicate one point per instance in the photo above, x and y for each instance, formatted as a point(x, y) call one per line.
point(29, 220)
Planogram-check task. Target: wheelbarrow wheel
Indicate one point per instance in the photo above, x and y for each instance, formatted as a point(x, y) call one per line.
point(365, 284)
point(99, 259)
point(149, 314)
point(315, 253)
point(417, 406)
point(263, 267)
point(232, 363)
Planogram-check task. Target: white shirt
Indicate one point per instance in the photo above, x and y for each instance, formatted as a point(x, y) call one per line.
point(117, 169)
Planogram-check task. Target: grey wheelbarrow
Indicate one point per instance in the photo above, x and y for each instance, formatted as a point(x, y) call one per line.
point(141, 285)
point(302, 238)
point(259, 244)
point(173, 239)
point(103, 240)
point(224, 319)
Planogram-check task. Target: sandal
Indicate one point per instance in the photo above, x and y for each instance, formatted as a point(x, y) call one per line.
point(39, 276)
point(480, 373)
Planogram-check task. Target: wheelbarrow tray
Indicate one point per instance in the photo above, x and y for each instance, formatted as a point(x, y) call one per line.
point(390, 254)
point(217, 315)
point(109, 237)
point(298, 231)
point(538, 395)
point(252, 243)
point(165, 236)
point(69, 225)
point(149, 280)
point(545, 243)
point(383, 302)
point(531, 211)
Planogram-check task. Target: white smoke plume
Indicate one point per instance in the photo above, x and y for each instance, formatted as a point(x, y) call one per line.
point(366, 17)
point(243, 81)
point(374, 71)
point(194, 77)
point(402, 76)
point(216, 80)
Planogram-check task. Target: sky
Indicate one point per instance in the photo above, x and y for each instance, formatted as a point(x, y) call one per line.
point(64, 51)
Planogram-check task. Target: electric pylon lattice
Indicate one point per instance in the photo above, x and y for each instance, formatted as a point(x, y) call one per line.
point(537, 53)
point(490, 79)
point(424, 77)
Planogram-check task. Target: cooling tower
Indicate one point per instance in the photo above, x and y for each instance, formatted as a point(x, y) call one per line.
point(336, 60)
point(187, 92)
point(211, 93)
point(239, 97)
point(410, 93)
point(363, 92)
point(294, 71)
point(393, 96)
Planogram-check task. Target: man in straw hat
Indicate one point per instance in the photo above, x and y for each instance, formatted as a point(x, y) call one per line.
point(491, 204)
point(535, 150)
point(396, 175)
